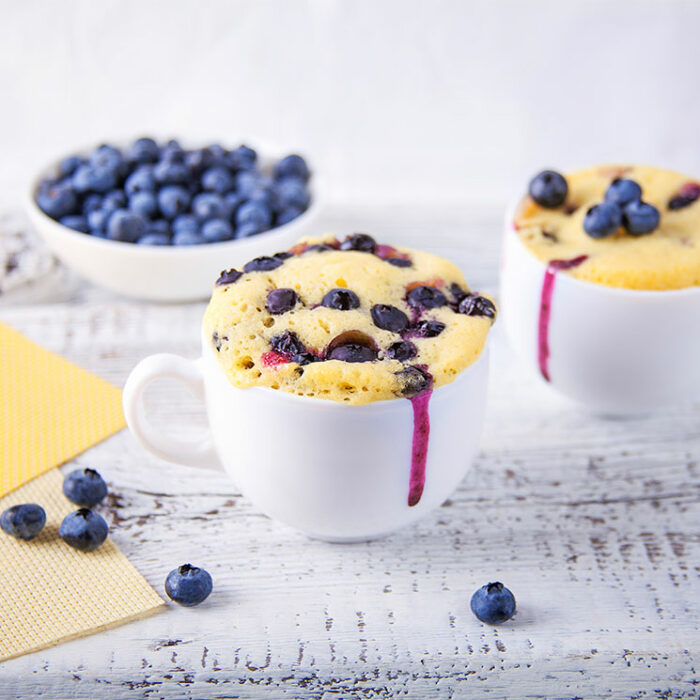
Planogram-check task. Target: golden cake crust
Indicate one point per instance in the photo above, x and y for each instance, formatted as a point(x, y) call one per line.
point(243, 331)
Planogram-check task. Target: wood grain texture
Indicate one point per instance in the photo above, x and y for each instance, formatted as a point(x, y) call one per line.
point(593, 523)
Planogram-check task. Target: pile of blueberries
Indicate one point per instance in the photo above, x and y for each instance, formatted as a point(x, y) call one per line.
point(623, 205)
point(154, 194)
point(85, 530)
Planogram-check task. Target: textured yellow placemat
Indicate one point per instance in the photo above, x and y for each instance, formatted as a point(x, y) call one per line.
point(50, 409)
point(50, 592)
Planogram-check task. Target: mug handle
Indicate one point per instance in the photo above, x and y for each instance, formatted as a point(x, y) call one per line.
point(189, 372)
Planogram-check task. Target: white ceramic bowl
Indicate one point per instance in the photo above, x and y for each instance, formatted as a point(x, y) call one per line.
point(335, 472)
point(162, 273)
point(616, 351)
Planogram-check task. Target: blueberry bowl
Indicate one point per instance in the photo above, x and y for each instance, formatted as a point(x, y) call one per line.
point(159, 222)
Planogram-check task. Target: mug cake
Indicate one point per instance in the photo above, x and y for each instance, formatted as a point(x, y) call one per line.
point(634, 227)
point(600, 274)
point(350, 321)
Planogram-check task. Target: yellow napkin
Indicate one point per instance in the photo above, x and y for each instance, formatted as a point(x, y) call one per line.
point(51, 592)
point(50, 410)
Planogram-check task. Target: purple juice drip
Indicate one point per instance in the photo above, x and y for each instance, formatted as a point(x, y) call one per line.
point(546, 308)
point(419, 452)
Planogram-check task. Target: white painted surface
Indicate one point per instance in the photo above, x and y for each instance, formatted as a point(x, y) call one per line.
point(594, 524)
point(396, 100)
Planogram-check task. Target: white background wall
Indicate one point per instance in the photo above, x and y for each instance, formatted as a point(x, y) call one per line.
point(403, 101)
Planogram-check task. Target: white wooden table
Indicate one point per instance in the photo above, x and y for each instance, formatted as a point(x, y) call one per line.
point(594, 524)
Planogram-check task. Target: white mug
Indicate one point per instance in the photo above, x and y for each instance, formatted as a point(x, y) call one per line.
point(616, 351)
point(333, 471)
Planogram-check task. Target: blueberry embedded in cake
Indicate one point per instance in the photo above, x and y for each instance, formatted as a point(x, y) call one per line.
point(349, 320)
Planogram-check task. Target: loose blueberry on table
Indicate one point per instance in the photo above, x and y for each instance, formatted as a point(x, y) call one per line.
point(161, 194)
point(188, 585)
point(24, 521)
point(493, 604)
point(84, 530)
point(356, 330)
point(84, 487)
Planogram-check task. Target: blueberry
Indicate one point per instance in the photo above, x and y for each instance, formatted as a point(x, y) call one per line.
point(170, 172)
point(622, 191)
point(602, 220)
point(426, 297)
point(233, 201)
point(341, 299)
point(640, 218)
point(287, 215)
point(125, 226)
point(69, 165)
point(173, 200)
point(493, 603)
point(689, 193)
point(253, 213)
point(216, 230)
point(429, 329)
point(279, 301)
point(304, 358)
point(187, 238)
point(92, 202)
point(548, 189)
point(292, 166)
point(116, 199)
point(144, 150)
point(144, 204)
point(248, 229)
point(185, 222)
point(228, 277)
point(92, 178)
point(77, 223)
point(352, 352)
point(284, 255)
point(457, 292)
point(23, 521)
point(389, 318)
point(262, 264)
point(210, 206)
point(160, 226)
point(402, 351)
point(266, 197)
point(287, 344)
point(84, 487)
point(242, 158)
point(154, 239)
point(359, 241)
point(414, 381)
point(188, 585)
point(475, 305)
point(57, 200)
point(173, 147)
point(199, 160)
point(107, 157)
point(218, 179)
point(291, 192)
point(399, 262)
point(84, 530)
point(97, 220)
point(140, 180)
point(247, 182)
